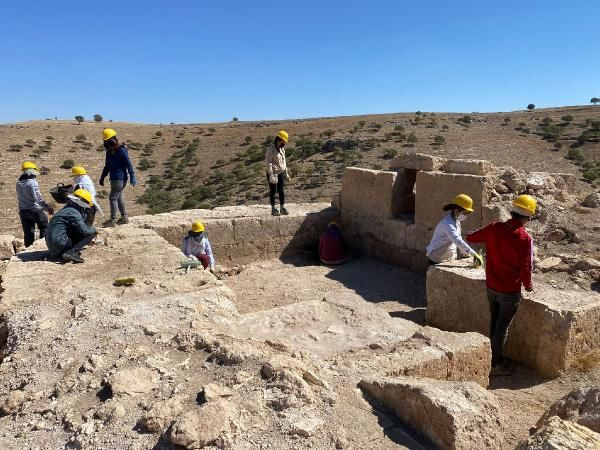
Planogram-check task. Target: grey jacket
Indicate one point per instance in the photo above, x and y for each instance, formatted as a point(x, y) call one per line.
point(29, 195)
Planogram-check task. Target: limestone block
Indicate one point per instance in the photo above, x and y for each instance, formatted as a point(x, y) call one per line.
point(581, 405)
point(386, 195)
point(201, 427)
point(7, 248)
point(551, 329)
point(562, 434)
point(411, 236)
point(358, 191)
point(450, 414)
point(423, 236)
point(253, 229)
point(219, 231)
point(394, 232)
point(435, 189)
point(468, 166)
point(289, 226)
point(417, 161)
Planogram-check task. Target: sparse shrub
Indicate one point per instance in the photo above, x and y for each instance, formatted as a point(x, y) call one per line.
point(49, 138)
point(466, 120)
point(439, 140)
point(328, 133)
point(552, 132)
point(390, 153)
point(558, 145)
point(146, 164)
point(87, 145)
point(67, 164)
point(158, 133)
point(575, 155)
point(526, 130)
point(248, 139)
point(399, 128)
point(361, 123)
point(567, 119)
point(44, 170)
point(445, 127)
point(583, 138)
point(595, 125)
point(506, 120)
point(15, 148)
point(98, 118)
point(374, 127)
point(80, 138)
point(531, 107)
point(79, 119)
point(547, 121)
point(30, 143)
point(212, 129)
point(412, 139)
point(591, 174)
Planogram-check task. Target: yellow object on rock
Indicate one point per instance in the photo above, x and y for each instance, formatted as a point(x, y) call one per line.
point(128, 281)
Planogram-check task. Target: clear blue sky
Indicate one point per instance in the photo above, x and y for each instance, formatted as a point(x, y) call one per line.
point(201, 60)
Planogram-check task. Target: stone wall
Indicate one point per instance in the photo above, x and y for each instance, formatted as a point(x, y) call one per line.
point(242, 234)
point(551, 329)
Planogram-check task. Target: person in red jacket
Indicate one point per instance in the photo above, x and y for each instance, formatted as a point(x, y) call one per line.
point(331, 246)
point(509, 262)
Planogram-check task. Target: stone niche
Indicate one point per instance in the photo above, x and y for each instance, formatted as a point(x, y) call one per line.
point(551, 330)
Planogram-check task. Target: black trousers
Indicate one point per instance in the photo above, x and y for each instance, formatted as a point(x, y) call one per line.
point(77, 243)
point(279, 188)
point(29, 219)
point(503, 308)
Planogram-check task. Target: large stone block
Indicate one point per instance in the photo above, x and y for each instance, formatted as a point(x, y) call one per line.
point(551, 330)
point(394, 232)
point(254, 229)
point(435, 189)
point(449, 414)
point(581, 405)
point(386, 195)
point(417, 161)
point(7, 248)
point(411, 236)
point(220, 230)
point(468, 166)
point(358, 191)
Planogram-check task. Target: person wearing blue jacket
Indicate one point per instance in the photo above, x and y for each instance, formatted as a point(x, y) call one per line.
point(119, 167)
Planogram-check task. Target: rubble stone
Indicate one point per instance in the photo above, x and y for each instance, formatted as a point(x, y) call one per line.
point(7, 248)
point(581, 405)
point(561, 434)
point(134, 382)
point(592, 200)
point(452, 415)
point(202, 426)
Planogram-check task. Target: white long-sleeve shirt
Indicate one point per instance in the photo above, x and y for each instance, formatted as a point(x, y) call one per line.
point(446, 239)
point(190, 247)
point(85, 182)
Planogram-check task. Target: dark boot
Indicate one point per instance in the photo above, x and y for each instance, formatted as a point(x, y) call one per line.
point(284, 212)
point(274, 212)
point(110, 223)
point(123, 220)
point(73, 256)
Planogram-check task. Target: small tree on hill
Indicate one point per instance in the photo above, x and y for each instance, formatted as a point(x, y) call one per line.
point(67, 164)
point(595, 100)
point(235, 119)
point(439, 140)
point(531, 107)
point(98, 118)
point(79, 119)
point(411, 139)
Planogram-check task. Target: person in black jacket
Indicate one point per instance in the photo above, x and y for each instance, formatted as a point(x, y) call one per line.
point(119, 166)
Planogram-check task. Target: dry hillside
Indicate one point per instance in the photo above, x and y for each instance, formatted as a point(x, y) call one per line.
point(205, 165)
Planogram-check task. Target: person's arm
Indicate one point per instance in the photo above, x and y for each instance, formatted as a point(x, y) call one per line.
point(185, 247)
point(479, 236)
point(457, 239)
point(526, 263)
point(78, 225)
point(129, 166)
point(37, 195)
point(105, 170)
point(208, 251)
point(269, 161)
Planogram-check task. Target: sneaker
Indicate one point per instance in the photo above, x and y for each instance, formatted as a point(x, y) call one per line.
point(74, 257)
point(123, 220)
point(275, 212)
point(110, 223)
point(284, 212)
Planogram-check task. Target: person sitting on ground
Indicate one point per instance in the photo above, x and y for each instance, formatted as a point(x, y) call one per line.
point(81, 180)
point(447, 234)
point(31, 203)
point(277, 172)
point(331, 246)
point(196, 246)
point(118, 166)
point(68, 232)
point(509, 263)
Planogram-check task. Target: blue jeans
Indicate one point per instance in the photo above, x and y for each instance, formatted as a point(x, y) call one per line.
point(115, 199)
point(503, 308)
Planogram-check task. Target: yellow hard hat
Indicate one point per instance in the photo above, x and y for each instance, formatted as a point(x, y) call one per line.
point(84, 195)
point(464, 201)
point(77, 171)
point(197, 227)
point(28, 165)
point(283, 135)
point(108, 133)
point(524, 205)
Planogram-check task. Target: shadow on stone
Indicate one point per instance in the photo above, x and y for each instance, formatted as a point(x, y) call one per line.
point(37, 255)
point(417, 315)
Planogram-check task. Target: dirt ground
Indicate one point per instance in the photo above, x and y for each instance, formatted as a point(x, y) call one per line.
point(523, 396)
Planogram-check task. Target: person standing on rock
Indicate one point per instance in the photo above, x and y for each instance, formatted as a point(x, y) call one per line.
point(509, 263)
point(447, 236)
point(277, 172)
point(68, 231)
point(119, 166)
point(31, 203)
point(196, 246)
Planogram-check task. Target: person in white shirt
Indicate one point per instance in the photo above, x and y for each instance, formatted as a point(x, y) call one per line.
point(81, 180)
point(196, 246)
point(447, 234)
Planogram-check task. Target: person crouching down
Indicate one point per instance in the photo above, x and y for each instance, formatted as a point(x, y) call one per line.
point(331, 246)
point(68, 231)
point(447, 234)
point(196, 246)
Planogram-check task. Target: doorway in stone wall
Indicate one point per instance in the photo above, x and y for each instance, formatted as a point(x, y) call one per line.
point(404, 196)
